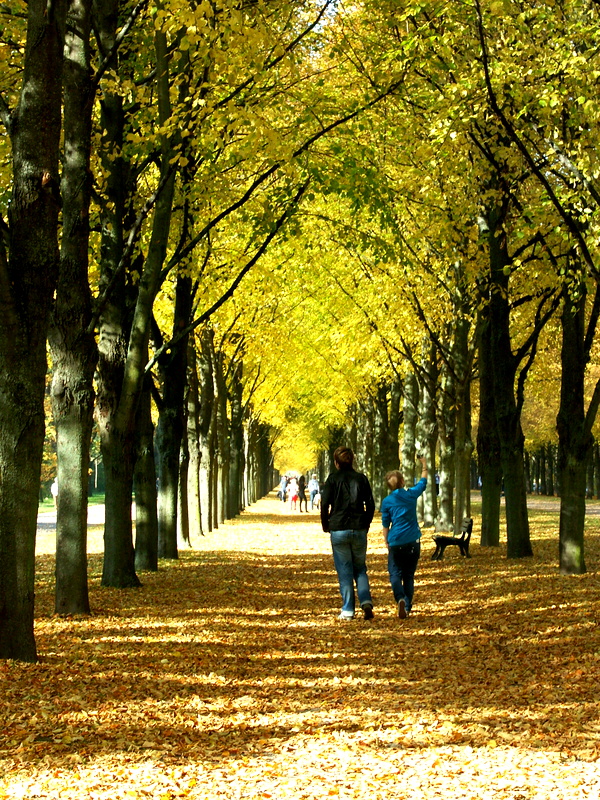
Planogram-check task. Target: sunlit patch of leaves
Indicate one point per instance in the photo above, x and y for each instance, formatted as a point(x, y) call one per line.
point(228, 675)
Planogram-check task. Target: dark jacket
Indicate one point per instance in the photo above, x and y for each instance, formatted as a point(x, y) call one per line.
point(347, 502)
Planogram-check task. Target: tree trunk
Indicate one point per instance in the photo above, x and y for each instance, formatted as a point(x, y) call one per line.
point(114, 322)
point(550, 487)
point(183, 517)
point(462, 356)
point(410, 416)
point(28, 280)
point(488, 445)
point(236, 452)
point(119, 410)
point(119, 558)
point(169, 433)
point(574, 436)
point(74, 351)
point(504, 366)
point(222, 440)
point(386, 424)
point(589, 481)
point(447, 435)
point(206, 428)
point(193, 440)
point(428, 432)
point(146, 517)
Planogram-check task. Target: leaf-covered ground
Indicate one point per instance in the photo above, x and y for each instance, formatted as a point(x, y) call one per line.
point(228, 675)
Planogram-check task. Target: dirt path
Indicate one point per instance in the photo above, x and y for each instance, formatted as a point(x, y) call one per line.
point(229, 676)
point(45, 543)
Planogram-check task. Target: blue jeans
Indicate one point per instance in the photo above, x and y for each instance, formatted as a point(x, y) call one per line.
point(350, 559)
point(402, 565)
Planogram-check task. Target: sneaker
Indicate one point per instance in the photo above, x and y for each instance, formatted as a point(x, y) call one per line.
point(402, 612)
point(368, 611)
point(346, 615)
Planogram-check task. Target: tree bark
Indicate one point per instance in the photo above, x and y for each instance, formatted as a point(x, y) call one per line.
point(206, 428)
point(428, 432)
point(488, 444)
point(193, 438)
point(74, 350)
point(447, 435)
point(504, 366)
point(236, 443)
point(386, 455)
point(221, 440)
point(410, 416)
point(462, 357)
point(510, 433)
point(28, 279)
point(169, 433)
point(146, 517)
point(575, 440)
point(120, 408)
point(116, 438)
point(183, 517)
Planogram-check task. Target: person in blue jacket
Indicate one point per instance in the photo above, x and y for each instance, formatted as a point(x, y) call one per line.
point(401, 534)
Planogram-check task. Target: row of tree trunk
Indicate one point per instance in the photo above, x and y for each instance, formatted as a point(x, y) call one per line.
point(541, 470)
point(206, 460)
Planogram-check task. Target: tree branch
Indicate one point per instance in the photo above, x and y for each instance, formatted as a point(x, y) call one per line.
point(182, 254)
point(274, 61)
point(134, 231)
point(569, 221)
point(6, 115)
point(230, 291)
point(104, 65)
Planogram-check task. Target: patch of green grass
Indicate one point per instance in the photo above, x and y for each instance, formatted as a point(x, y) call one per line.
point(48, 503)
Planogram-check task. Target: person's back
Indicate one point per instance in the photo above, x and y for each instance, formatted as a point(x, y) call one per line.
point(347, 501)
point(347, 509)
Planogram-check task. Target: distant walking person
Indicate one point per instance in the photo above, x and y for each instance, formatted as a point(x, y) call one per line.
point(302, 493)
point(401, 534)
point(283, 487)
point(313, 490)
point(347, 509)
point(54, 492)
point(292, 491)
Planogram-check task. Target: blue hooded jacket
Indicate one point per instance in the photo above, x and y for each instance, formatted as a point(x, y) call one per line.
point(399, 514)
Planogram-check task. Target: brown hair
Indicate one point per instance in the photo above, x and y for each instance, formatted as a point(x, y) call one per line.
point(394, 474)
point(344, 457)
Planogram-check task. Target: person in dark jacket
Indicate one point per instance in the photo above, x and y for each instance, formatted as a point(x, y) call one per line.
point(347, 509)
point(302, 493)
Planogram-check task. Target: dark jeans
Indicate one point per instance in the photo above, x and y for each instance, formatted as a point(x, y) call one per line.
point(402, 565)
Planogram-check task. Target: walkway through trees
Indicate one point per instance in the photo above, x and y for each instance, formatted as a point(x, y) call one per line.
point(228, 675)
